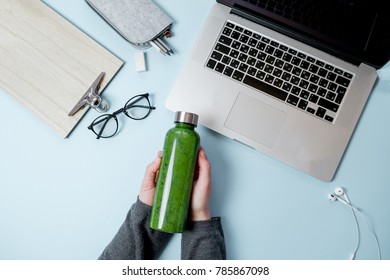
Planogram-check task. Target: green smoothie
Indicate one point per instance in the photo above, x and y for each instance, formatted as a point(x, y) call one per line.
point(175, 177)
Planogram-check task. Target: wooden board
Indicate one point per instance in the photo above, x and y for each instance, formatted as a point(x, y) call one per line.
point(47, 63)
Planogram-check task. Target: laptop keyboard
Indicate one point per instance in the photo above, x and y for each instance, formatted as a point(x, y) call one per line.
point(296, 78)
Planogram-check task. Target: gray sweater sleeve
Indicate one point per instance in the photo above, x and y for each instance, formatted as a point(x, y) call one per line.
point(135, 240)
point(203, 240)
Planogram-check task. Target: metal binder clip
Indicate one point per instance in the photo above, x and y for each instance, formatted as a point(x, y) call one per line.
point(91, 98)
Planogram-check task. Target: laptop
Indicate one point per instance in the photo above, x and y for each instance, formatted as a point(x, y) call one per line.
point(288, 78)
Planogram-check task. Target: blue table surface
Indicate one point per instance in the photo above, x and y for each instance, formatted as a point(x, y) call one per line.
point(66, 199)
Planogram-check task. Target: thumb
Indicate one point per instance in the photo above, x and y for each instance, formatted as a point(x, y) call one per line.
point(151, 171)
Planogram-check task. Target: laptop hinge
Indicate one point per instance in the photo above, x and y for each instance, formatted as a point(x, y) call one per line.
point(251, 15)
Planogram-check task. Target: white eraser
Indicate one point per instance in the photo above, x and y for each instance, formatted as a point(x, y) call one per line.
point(140, 64)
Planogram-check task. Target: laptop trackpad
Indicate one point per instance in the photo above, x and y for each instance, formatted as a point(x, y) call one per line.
point(256, 120)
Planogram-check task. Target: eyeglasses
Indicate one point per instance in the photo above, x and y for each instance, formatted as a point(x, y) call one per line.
point(136, 108)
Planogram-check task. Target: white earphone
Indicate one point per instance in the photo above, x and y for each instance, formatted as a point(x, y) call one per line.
point(340, 195)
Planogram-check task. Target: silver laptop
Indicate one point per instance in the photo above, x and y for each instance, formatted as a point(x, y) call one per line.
point(288, 78)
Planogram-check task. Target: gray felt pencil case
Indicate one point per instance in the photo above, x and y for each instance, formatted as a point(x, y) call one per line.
point(138, 21)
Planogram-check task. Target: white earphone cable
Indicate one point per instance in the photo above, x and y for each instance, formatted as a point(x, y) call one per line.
point(370, 229)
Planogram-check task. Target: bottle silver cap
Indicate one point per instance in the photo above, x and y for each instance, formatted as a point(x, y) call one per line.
point(186, 117)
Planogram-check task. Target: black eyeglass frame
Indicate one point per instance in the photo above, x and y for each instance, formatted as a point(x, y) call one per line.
point(129, 104)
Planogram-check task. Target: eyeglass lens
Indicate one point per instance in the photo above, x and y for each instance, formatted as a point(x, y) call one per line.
point(137, 108)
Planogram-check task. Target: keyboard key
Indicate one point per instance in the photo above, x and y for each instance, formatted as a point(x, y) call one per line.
point(322, 72)
point(313, 88)
point(287, 67)
point(329, 67)
point(286, 76)
point(260, 65)
point(242, 57)
point(277, 72)
point(328, 118)
point(313, 98)
point(294, 52)
point(244, 48)
point(261, 56)
point(278, 83)
point(304, 84)
point(293, 100)
point(222, 48)
point(278, 53)
point(235, 35)
point(295, 90)
point(237, 75)
point(286, 86)
point(339, 98)
point(225, 40)
point(302, 104)
point(320, 112)
point(234, 63)
point(287, 57)
point(295, 80)
point(219, 68)
point(331, 96)
point(342, 81)
point(247, 32)
point(279, 63)
point(211, 63)
point(310, 110)
point(253, 52)
point(216, 55)
point(332, 86)
point(261, 46)
point(313, 68)
point(234, 53)
point(260, 75)
point(296, 61)
point(243, 67)
point(323, 83)
point(297, 71)
point(348, 75)
point(243, 38)
point(269, 49)
point(305, 65)
point(275, 92)
point(322, 92)
point(251, 61)
point(338, 71)
point(270, 79)
point(270, 59)
point(239, 29)
point(252, 42)
point(226, 59)
point(268, 68)
point(310, 59)
point(228, 71)
point(305, 94)
point(252, 71)
point(331, 76)
point(305, 75)
point(265, 40)
point(314, 79)
point(328, 104)
point(236, 45)
point(229, 24)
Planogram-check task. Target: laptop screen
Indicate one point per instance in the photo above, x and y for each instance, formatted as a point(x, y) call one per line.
point(354, 30)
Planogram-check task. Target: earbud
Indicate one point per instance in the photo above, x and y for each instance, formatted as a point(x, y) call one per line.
point(334, 197)
point(339, 191)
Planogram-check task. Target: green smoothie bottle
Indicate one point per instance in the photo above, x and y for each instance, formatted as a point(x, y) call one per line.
point(175, 177)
